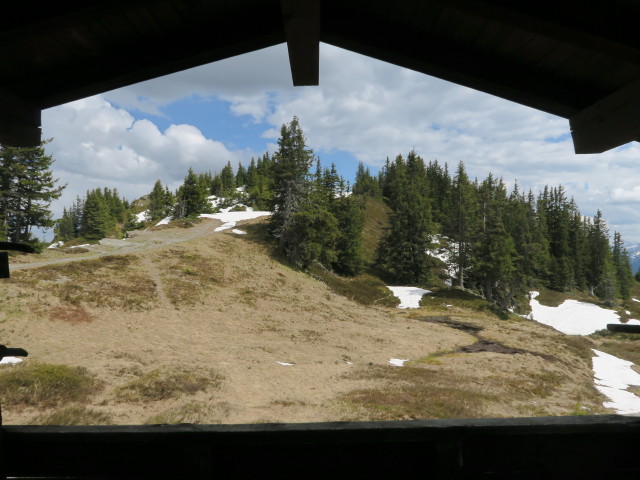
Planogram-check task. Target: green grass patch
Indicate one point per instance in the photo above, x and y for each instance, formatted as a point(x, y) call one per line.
point(78, 415)
point(535, 384)
point(45, 385)
point(162, 384)
point(460, 298)
point(579, 346)
point(74, 242)
point(621, 345)
point(376, 221)
point(364, 288)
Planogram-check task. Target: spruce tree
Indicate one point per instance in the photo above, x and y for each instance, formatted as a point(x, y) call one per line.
point(97, 221)
point(622, 266)
point(494, 251)
point(160, 202)
point(192, 197)
point(402, 253)
point(241, 176)
point(27, 188)
point(462, 221)
point(291, 164)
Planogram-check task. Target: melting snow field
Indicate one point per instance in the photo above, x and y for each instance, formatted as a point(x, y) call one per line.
point(613, 378)
point(230, 219)
point(573, 317)
point(409, 296)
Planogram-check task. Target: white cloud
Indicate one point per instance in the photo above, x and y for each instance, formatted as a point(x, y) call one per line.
point(367, 108)
point(626, 196)
point(98, 145)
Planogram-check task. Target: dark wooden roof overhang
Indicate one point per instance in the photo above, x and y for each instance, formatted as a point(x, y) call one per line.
point(575, 59)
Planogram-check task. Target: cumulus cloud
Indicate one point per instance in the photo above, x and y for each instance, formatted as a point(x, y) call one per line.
point(96, 144)
point(626, 196)
point(366, 108)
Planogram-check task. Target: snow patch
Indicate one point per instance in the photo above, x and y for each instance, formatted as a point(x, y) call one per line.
point(10, 360)
point(56, 244)
point(635, 300)
point(239, 232)
point(613, 378)
point(573, 317)
point(164, 221)
point(230, 219)
point(285, 364)
point(409, 296)
point(142, 216)
point(398, 362)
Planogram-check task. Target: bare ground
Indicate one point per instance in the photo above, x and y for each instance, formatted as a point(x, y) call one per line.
point(218, 306)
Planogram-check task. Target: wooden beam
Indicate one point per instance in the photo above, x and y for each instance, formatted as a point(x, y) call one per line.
point(19, 121)
point(302, 29)
point(605, 36)
point(608, 123)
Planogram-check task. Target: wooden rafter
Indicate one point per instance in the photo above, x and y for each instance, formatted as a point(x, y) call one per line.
point(302, 30)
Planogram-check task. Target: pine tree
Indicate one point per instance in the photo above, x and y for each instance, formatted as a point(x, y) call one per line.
point(228, 180)
point(291, 165)
point(160, 202)
point(365, 184)
point(27, 188)
point(97, 221)
point(192, 197)
point(494, 252)
point(462, 221)
point(402, 253)
point(64, 227)
point(241, 176)
point(622, 266)
point(349, 213)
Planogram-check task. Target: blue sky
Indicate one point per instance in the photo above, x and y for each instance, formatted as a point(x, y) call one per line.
point(363, 110)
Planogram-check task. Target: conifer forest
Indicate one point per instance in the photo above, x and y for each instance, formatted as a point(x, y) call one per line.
point(502, 242)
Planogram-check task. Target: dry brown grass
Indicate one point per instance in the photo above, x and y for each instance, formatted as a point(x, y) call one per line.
point(167, 383)
point(241, 311)
point(415, 393)
point(73, 314)
point(110, 281)
point(190, 412)
point(78, 415)
point(188, 276)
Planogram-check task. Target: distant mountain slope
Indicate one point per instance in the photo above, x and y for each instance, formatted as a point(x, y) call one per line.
point(634, 256)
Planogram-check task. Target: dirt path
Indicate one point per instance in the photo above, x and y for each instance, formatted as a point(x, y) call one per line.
point(139, 241)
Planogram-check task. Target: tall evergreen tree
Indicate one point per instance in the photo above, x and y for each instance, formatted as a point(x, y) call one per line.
point(192, 197)
point(160, 201)
point(291, 165)
point(402, 253)
point(494, 252)
point(622, 266)
point(462, 221)
point(27, 188)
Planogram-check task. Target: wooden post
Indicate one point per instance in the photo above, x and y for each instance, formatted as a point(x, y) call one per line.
point(4, 266)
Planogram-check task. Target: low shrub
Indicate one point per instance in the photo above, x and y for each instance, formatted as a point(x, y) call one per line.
point(162, 384)
point(45, 385)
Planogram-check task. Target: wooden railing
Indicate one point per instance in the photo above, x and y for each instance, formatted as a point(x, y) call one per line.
point(590, 447)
